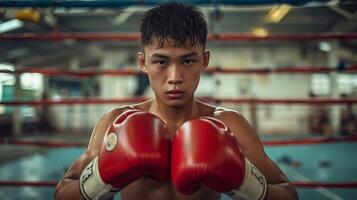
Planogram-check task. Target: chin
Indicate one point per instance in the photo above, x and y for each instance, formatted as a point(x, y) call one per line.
point(175, 103)
point(178, 102)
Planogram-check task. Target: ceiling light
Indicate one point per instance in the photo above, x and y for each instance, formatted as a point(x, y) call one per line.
point(7, 78)
point(278, 12)
point(7, 66)
point(325, 46)
point(260, 32)
point(28, 14)
point(10, 25)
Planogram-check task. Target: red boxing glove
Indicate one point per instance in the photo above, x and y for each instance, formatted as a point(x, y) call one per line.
point(205, 152)
point(137, 144)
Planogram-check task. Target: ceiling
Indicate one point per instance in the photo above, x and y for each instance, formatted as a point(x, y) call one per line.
point(334, 16)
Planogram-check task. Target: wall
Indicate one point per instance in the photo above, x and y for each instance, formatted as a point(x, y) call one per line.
point(271, 119)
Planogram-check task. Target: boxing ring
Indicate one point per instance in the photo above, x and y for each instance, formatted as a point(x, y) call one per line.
point(320, 167)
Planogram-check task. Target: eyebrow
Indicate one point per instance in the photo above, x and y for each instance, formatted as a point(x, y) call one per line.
point(157, 55)
point(190, 55)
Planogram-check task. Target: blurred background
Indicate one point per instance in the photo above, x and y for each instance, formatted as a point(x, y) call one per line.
point(289, 66)
point(76, 38)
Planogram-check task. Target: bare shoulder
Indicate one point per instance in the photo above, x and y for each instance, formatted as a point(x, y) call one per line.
point(143, 106)
point(101, 128)
point(250, 143)
point(205, 108)
point(95, 142)
point(244, 132)
point(224, 114)
point(232, 118)
point(106, 121)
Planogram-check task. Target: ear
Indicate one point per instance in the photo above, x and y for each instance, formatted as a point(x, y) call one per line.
point(206, 57)
point(141, 61)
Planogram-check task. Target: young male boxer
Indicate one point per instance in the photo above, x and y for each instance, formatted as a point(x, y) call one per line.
point(174, 146)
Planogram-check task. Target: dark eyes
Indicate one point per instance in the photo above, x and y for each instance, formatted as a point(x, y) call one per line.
point(188, 61)
point(160, 62)
point(163, 63)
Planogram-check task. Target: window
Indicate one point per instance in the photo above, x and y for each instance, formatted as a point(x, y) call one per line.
point(31, 81)
point(347, 84)
point(320, 84)
point(6, 82)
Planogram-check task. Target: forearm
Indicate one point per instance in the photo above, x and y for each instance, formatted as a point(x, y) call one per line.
point(282, 191)
point(68, 189)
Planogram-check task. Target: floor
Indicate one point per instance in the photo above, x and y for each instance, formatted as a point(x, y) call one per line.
point(334, 162)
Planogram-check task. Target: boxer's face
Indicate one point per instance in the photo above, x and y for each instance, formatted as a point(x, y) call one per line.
point(174, 72)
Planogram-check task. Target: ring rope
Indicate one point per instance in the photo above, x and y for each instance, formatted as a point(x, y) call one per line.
point(211, 37)
point(210, 70)
point(82, 101)
point(7, 183)
point(305, 141)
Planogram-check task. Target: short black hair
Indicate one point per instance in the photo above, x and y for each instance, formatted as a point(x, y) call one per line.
point(177, 21)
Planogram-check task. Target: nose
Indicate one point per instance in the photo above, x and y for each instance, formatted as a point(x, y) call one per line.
point(175, 75)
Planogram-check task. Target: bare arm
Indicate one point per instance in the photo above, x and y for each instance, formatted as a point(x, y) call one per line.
point(68, 187)
point(278, 185)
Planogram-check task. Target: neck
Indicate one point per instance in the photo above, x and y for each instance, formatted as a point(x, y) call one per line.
point(175, 115)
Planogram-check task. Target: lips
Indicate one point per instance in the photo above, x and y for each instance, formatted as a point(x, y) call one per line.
point(175, 94)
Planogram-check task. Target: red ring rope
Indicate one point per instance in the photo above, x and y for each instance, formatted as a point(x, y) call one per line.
point(83, 73)
point(136, 37)
point(73, 101)
point(306, 141)
point(49, 144)
point(5, 183)
point(211, 70)
point(82, 101)
point(327, 185)
point(28, 183)
point(350, 138)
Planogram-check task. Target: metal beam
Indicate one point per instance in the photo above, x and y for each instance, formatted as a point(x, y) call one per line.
point(125, 3)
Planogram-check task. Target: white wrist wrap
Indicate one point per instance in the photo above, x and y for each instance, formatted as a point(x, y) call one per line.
point(91, 184)
point(254, 186)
